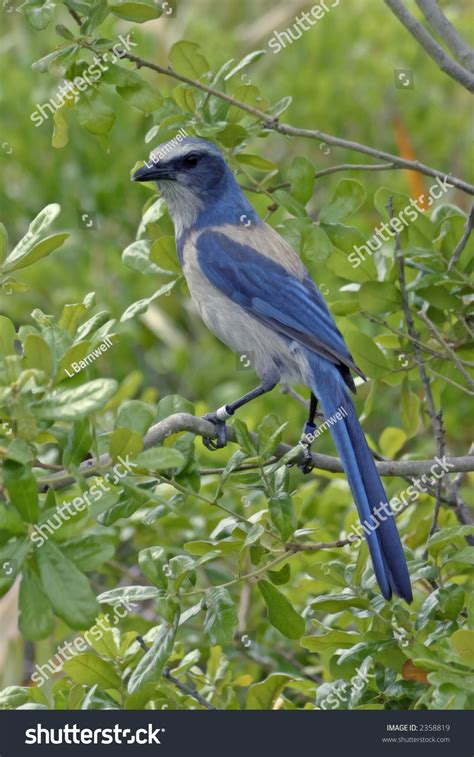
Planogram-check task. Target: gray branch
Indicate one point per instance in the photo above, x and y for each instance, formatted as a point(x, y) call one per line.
point(424, 38)
point(450, 36)
point(178, 422)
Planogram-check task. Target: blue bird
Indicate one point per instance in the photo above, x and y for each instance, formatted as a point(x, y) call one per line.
point(254, 293)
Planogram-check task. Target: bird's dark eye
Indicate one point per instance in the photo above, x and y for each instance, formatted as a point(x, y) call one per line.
point(191, 160)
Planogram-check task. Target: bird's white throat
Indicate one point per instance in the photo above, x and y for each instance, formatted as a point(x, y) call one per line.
point(183, 205)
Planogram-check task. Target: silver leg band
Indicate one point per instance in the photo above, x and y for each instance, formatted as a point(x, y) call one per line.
point(222, 413)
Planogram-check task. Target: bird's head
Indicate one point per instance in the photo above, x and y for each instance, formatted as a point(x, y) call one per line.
point(193, 165)
point(195, 181)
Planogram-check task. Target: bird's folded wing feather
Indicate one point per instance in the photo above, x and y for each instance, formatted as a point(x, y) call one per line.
point(272, 294)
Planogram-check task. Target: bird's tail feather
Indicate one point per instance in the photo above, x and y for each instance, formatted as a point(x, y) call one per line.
point(381, 532)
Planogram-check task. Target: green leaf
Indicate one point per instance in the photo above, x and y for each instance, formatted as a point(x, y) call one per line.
point(263, 695)
point(287, 201)
point(78, 443)
point(347, 199)
point(89, 552)
point(76, 403)
point(93, 113)
point(137, 257)
point(302, 179)
point(22, 489)
point(135, 415)
point(128, 594)
point(409, 409)
point(66, 587)
point(332, 640)
point(186, 59)
point(37, 354)
point(463, 642)
point(346, 260)
point(38, 251)
point(138, 11)
point(279, 577)
point(38, 13)
point(282, 514)
point(448, 535)
point(255, 161)
point(250, 58)
point(391, 441)
point(379, 297)
point(3, 243)
point(7, 336)
point(89, 669)
point(243, 437)
point(10, 520)
point(12, 556)
point(160, 458)
point(141, 306)
point(36, 616)
point(163, 253)
point(152, 562)
point(221, 619)
point(367, 355)
point(124, 442)
point(150, 667)
point(26, 245)
point(281, 614)
point(142, 96)
point(332, 603)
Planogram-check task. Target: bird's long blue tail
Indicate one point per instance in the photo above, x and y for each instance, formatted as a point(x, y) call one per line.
point(381, 532)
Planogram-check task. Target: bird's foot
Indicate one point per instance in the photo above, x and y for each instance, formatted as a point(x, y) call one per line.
point(218, 418)
point(306, 465)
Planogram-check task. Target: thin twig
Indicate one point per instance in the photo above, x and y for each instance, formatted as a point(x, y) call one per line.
point(441, 340)
point(464, 239)
point(429, 44)
point(273, 124)
point(429, 350)
point(176, 682)
point(450, 36)
point(436, 418)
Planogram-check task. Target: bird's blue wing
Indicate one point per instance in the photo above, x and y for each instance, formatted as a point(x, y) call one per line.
point(272, 294)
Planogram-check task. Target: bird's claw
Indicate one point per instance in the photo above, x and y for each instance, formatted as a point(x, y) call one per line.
point(306, 465)
point(221, 433)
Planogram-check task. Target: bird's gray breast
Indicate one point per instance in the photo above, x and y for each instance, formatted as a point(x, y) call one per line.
point(269, 352)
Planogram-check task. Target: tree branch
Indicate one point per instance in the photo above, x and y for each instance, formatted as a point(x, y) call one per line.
point(450, 36)
point(441, 340)
point(424, 38)
point(436, 418)
point(176, 682)
point(179, 422)
point(288, 130)
point(463, 241)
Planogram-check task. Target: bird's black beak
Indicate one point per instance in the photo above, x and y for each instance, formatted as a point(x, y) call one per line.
point(152, 172)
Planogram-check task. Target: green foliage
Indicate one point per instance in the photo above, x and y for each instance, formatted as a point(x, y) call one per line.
point(197, 552)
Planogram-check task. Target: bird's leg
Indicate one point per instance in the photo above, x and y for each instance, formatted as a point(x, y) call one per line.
point(220, 416)
point(307, 437)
